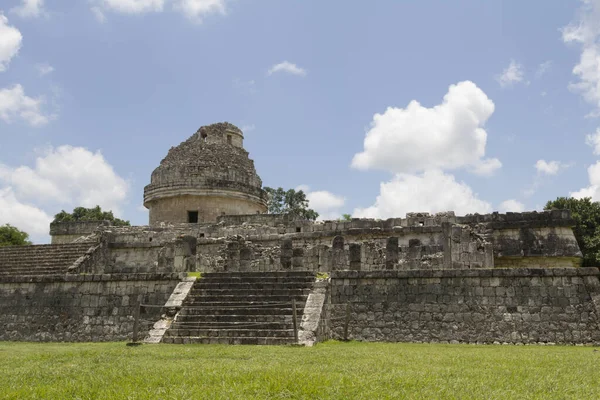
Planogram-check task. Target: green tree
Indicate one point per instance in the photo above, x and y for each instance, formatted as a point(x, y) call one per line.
point(346, 217)
point(290, 202)
point(12, 236)
point(89, 214)
point(586, 214)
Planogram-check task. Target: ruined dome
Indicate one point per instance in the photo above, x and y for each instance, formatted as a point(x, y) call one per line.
point(208, 175)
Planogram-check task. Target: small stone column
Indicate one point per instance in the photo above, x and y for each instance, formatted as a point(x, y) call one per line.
point(338, 255)
point(392, 253)
point(355, 256)
point(287, 253)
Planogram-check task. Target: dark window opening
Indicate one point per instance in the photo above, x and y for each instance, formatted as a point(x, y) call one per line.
point(229, 139)
point(193, 217)
point(298, 229)
point(202, 235)
point(150, 239)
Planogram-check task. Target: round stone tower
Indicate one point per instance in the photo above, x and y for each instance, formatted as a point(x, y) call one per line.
point(204, 177)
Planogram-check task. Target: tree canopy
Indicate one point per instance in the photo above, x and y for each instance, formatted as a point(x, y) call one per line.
point(290, 202)
point(586, 214)
point(12, 236)
point(89, 214)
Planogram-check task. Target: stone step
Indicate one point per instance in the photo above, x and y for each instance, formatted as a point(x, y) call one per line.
point(26, 263)
point(282, 333)
point(228, 340)
point(200, 292)
point(252, 299)
point(235, 318)
point(230, 325)
point(33, 271)
point(202, 284)
point(255, 279)
point(43, 249)
point(258, 274)
point(256, 311)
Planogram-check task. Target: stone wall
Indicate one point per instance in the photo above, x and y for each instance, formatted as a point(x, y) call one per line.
point(209, 206)
point(274, 242)
point(79, 308)
point(559, 305)
point(67, 232)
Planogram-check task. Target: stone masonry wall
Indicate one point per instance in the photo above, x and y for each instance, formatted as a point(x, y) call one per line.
point(559, 305)
point(67, 232)
point(79, 308)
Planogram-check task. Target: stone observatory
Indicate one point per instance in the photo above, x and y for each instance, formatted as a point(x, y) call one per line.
point(208, 175)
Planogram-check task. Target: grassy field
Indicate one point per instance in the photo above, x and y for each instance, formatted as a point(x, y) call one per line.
point(327, 371)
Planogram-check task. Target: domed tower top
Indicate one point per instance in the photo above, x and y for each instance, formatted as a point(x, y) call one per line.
point(208, 175)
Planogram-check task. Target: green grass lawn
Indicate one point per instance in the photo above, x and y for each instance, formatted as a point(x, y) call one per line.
point(327, 371)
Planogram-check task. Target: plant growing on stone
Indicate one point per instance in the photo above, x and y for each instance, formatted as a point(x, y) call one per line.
point(89, 214)
point(12, 236)
point(291, 202)
point(586, 214)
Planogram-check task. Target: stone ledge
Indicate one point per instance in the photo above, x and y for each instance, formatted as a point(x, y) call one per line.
point(91, 278)
point(466, 273)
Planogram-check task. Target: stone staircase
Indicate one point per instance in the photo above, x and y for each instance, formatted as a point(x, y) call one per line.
point(46, 259)
point(241, 308)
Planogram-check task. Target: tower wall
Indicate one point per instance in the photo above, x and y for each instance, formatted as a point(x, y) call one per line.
point(209, 208)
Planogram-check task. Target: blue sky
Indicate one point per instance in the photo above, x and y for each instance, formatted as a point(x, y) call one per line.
point(374, 108)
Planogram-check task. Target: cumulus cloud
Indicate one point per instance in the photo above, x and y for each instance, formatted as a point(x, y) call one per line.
point(549, 167)
point(67, 176)
point(10, 42)
point(26, 217)
point(543, 68)
point(512, 205)
point(431, 191)
point(287, 67)
point(196, 9)
point(593, 190)
point(512, 74)
point(327, 204)
point(447, 136)
point(30, 9)
point(15, 105)
point(593, 140)
point(132, 6)
point(585, 31)
point(44, 69)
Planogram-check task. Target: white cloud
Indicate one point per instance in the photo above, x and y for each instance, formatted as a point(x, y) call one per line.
point(447, 136)
point(327, 204)
point(69, 176)
point(14, 104)
point(549, 167)
point(543, 68)
point(486, 167)
point(99, 14)
point(593, 190)
point(44, 69)
point(26, 217)
point(512, 74)
point(585, 30)
point(10, 42)
point(196, 9)
point(593, 140)
point(431, 191)
point(287, 67)
point(512, 205)
point(30, 9)
point(133, 6)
